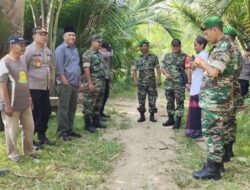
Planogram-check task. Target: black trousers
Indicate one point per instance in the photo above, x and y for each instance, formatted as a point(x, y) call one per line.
point(244, 85)
point(106, 95)
point(41, 110)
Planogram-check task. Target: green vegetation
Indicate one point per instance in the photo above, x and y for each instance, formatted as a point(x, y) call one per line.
point(80, 163)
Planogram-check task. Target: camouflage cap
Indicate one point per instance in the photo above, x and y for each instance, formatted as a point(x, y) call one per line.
point(39, 29)
point(211, 22)
point(144, 41)
point(230, 30)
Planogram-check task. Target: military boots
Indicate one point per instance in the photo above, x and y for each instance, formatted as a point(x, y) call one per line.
point(170, 120)
point(142, 117)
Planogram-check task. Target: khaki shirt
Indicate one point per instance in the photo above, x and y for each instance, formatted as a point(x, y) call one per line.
point(39, 66)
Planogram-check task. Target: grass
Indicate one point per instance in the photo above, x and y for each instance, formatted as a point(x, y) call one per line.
point(79, 164)
point(190, 157)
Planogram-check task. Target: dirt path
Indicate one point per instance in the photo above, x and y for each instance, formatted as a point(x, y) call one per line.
point(149, 150)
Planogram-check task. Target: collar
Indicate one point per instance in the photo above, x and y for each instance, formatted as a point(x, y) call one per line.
point(67, 45)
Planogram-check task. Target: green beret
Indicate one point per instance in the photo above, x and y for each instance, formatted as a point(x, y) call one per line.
point(211, 22)
point(144, 41)
point(230, 31)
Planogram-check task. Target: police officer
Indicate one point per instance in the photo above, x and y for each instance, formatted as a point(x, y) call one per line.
point(39, 62)
point(93, 85)
point(176, 69)
point(215, 95)
point(231, 127)
point(146, 64)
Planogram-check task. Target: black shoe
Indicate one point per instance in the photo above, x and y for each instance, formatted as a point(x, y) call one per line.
point(170, 121)
point(97, 124)
point(152, 117)
point(88, 125)
point(101, 118)
point(47, 142)
point(44, 140)
point(37, 145)
point(177, 124)
point(227, 155)
point(209, 171)
point(222, 168)
point(142, 117)
point(74, 134)
point(65, 138)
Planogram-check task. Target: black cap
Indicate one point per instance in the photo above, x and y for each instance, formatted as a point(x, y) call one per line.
point(96, 37)
point(176, 42)
point(69, 29)
point(16, 40)
point(39, 29)
point(106, 45)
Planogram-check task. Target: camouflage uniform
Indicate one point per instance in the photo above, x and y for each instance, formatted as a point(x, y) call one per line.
point(175, 88)
point(216, 98)
point(146, 81)
point(231, 128)
point(92, 101)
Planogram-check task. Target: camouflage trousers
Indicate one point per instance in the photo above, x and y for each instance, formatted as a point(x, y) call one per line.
point(175, 95)
point(143, 91)
point(92, 102)
point(214, 122)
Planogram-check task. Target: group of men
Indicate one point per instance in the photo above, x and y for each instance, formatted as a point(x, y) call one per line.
point(219, 92)
point(26, 77)
point(25, 81)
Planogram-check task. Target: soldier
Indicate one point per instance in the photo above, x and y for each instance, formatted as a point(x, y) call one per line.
point(231, 128)
point(215, 95)
point(174, 68)
point(93, 85)
point(39, 62)
point(146, 65)
point(68, 77)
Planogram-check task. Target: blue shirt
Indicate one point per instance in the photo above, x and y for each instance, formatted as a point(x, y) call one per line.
point(68, 64)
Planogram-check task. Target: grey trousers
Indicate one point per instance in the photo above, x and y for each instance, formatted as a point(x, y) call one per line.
point(67, 105)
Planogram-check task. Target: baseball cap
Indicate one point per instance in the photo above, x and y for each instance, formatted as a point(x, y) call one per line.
point(211, 22)
point(16, 40)
point(176, 42)
point(230, 31)
point(69, 29)
point(144, 41)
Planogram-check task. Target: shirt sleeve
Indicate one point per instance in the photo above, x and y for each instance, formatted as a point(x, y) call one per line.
point(164, 64)
point(86, 60)
point(223, 57)
point(59, 60)
point(4, 72)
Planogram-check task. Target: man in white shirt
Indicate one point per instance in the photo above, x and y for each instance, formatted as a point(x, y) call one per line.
point(193, 127)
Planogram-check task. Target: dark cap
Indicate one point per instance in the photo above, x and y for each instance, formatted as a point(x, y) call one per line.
point(176, 42)
point(96, 37)
point(211, 22)
point(106, 45)
point(16, 40)
point(69, 29)
point(39, 29)
point(248, 49)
